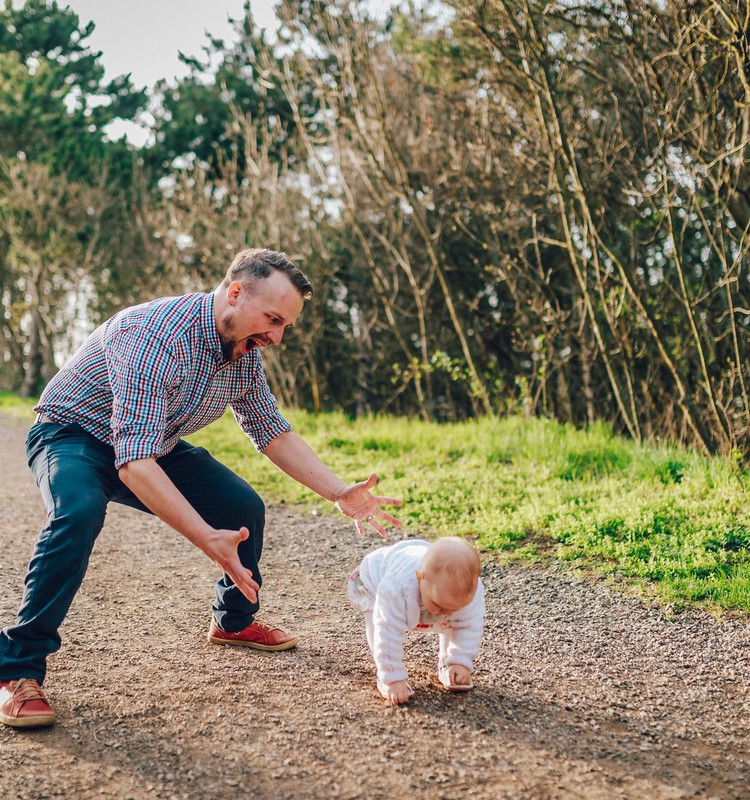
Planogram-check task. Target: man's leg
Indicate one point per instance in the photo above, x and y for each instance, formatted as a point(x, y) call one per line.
point(70, 467)
point(224, 501)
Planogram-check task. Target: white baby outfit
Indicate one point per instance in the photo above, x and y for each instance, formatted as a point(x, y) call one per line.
point(385, 589)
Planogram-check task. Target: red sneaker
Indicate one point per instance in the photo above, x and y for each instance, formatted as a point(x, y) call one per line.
point(257, 635)
point(23, 704)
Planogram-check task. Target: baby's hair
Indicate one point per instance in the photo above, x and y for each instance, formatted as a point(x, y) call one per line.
point(455, 560)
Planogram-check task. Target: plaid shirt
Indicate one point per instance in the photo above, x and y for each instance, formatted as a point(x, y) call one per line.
point(155, 373)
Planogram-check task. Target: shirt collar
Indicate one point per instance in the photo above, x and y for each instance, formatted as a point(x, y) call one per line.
point(208, 326)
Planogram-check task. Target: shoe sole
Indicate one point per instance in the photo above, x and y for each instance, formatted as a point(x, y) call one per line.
point(253, 645)
point(27, 722)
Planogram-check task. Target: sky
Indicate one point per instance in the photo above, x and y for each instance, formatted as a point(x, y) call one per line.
point(143, 37)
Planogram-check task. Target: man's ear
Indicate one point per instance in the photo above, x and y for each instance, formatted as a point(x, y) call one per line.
point(233, 292)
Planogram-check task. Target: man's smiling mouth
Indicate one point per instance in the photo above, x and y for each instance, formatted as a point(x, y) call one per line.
point(255, 341)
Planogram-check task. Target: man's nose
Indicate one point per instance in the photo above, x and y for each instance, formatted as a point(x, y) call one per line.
point(276, 336)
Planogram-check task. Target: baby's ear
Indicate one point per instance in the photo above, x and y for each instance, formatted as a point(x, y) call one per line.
point(420, 574)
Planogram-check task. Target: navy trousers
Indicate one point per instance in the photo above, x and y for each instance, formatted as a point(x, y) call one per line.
point(76, 475)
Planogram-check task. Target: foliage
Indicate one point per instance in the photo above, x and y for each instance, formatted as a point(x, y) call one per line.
point(17, 406)
point(196, 119)
point(504, 205)
point(664, 519)
point(54, 103)
point(65, 189)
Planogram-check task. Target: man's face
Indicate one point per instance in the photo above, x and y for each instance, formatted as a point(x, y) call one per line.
point(257, 316)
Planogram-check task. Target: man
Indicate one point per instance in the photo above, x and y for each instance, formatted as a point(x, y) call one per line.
point(110, 427)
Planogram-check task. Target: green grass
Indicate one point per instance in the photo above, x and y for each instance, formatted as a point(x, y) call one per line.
point(17, 406)
point(674, 524)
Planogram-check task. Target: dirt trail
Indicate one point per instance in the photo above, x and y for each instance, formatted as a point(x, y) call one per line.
point(581, 692)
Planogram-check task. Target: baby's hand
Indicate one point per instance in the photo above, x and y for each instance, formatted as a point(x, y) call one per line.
point(455, 678)
point(397, 693)
point(458, 675)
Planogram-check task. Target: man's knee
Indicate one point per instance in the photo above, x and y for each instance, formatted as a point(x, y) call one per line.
point(242, 507)
point(252, 508)
point(78, 516)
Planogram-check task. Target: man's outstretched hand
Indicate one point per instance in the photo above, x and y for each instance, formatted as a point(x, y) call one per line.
point(153, 487)
point(363, 507)
point(221, 548)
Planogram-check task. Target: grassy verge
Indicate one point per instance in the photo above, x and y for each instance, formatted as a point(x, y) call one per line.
point(16, 406)
point(672, 523)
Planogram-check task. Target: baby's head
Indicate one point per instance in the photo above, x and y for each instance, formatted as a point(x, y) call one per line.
point(449, 575)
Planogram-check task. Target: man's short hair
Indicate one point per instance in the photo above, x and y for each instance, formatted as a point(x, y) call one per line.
point(256, 263)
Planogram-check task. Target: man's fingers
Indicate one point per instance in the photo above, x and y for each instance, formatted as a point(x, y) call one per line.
point(385, 516)
point(247, 585)
point(388, 518)
point(246, 588)
point(372, 522)
point(251, 595)
point(382, 531)
point(224, 555)
point(241, 577)
point(387, 501)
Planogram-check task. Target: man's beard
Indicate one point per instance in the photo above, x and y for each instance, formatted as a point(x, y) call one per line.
point(229, 343)
point(227, 348)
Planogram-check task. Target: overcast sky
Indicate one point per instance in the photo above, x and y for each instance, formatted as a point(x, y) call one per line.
point(143, 37)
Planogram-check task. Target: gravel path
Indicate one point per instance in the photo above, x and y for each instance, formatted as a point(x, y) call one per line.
point(581, 692)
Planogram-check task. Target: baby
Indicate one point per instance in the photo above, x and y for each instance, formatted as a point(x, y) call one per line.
point(415, 584)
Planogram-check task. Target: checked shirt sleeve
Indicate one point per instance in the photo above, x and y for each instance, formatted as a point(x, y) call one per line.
point(257, 412)
point(140, 368)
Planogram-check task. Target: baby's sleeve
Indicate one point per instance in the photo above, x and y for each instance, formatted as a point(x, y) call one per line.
point(389, 619)
point(461, 640)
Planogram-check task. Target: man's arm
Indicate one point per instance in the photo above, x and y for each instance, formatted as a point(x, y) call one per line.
point(291, 454)
point(152, 486)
